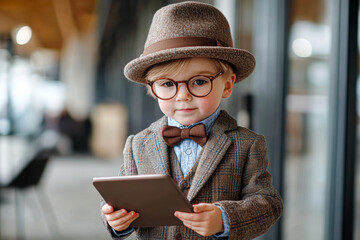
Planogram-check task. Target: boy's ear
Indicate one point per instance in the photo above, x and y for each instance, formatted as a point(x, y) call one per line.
point(229, 84)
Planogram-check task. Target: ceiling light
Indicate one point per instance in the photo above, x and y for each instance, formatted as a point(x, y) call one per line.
point(23, 35)
point(302, 47)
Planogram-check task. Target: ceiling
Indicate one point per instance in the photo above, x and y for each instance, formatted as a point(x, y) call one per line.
point(52, 21)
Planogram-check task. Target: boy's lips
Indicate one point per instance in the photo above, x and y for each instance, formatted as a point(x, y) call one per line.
point(186, 109)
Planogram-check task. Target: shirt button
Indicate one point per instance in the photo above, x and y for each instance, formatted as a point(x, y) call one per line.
point(188, 151)
point(178, 236)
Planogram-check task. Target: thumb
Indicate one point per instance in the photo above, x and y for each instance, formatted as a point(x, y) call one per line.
point(107, 209)
point(203, 207)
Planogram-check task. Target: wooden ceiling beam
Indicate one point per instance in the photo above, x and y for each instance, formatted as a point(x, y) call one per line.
point(52, 21)
point(65, 18)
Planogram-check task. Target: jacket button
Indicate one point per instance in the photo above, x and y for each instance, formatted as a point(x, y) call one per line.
point(184, 184)
point(178, 236)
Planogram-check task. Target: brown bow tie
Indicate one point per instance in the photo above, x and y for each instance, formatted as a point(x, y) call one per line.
point(173, 135)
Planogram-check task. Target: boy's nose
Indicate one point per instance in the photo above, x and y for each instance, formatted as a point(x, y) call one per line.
point(183, 93)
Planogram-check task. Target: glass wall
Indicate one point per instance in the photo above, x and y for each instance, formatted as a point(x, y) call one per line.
point(307, 117)
point(240, 15)
point(357, 171)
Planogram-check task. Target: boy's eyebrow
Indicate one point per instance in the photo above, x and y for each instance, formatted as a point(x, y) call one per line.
point(203, 72)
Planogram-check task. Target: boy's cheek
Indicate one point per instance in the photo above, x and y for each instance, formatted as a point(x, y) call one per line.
point(166, 106)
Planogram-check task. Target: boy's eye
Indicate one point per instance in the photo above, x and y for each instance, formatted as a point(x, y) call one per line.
point(199, 81)
point(166, 83)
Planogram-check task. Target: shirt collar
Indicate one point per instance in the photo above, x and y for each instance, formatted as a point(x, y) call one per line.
point(208, 122)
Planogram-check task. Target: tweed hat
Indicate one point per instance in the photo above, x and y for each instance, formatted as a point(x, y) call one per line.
point(185, 30)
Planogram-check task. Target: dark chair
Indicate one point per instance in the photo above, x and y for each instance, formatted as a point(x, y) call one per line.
point(31, 174)
point(29, 177)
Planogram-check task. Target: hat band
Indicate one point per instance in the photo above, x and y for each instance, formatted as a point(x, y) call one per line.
point(182, 42)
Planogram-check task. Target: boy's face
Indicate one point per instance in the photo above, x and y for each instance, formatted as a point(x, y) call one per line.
point(188, 109)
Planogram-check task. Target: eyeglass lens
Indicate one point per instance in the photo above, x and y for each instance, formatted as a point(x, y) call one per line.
point(198, 86)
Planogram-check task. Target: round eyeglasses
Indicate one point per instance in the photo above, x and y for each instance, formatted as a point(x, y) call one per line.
point(198, 86)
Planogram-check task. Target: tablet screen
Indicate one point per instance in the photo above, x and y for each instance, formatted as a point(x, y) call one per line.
point(154, 197)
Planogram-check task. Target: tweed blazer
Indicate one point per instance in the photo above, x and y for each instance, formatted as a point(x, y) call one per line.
point(231, 172)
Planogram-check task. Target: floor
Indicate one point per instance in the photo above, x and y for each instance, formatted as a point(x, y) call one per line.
point(67, 184)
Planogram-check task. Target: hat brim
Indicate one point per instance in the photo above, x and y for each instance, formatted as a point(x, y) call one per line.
point(242, 61)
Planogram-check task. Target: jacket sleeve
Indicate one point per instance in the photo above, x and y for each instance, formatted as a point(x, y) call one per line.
point(128, 168)
point(260, 205)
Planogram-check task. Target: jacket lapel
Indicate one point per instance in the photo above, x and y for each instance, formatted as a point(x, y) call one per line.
point(155, 148)
point(213, 152)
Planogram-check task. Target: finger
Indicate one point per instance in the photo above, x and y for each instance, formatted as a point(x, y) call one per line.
point(124, 223)
point(202, 207)
point(192, 224)
point(182, 216)
point(189, 224)
point(197, 227)
point(187, 216)
point(116, 215)
point(122, 220)
point(107, 209)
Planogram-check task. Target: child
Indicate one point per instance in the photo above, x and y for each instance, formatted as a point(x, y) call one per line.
point(189, 65)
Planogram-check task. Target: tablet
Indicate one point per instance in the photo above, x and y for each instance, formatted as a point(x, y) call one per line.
point(155, 197)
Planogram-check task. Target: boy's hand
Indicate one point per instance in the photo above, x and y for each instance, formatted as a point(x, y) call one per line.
point(206, 219)
point(120, 219)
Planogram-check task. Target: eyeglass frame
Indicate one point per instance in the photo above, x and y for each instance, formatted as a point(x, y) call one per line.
point(211, 78)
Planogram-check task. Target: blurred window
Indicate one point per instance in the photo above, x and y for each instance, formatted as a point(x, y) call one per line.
point(240, 15)
point(4, 65)
point(307, 133)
